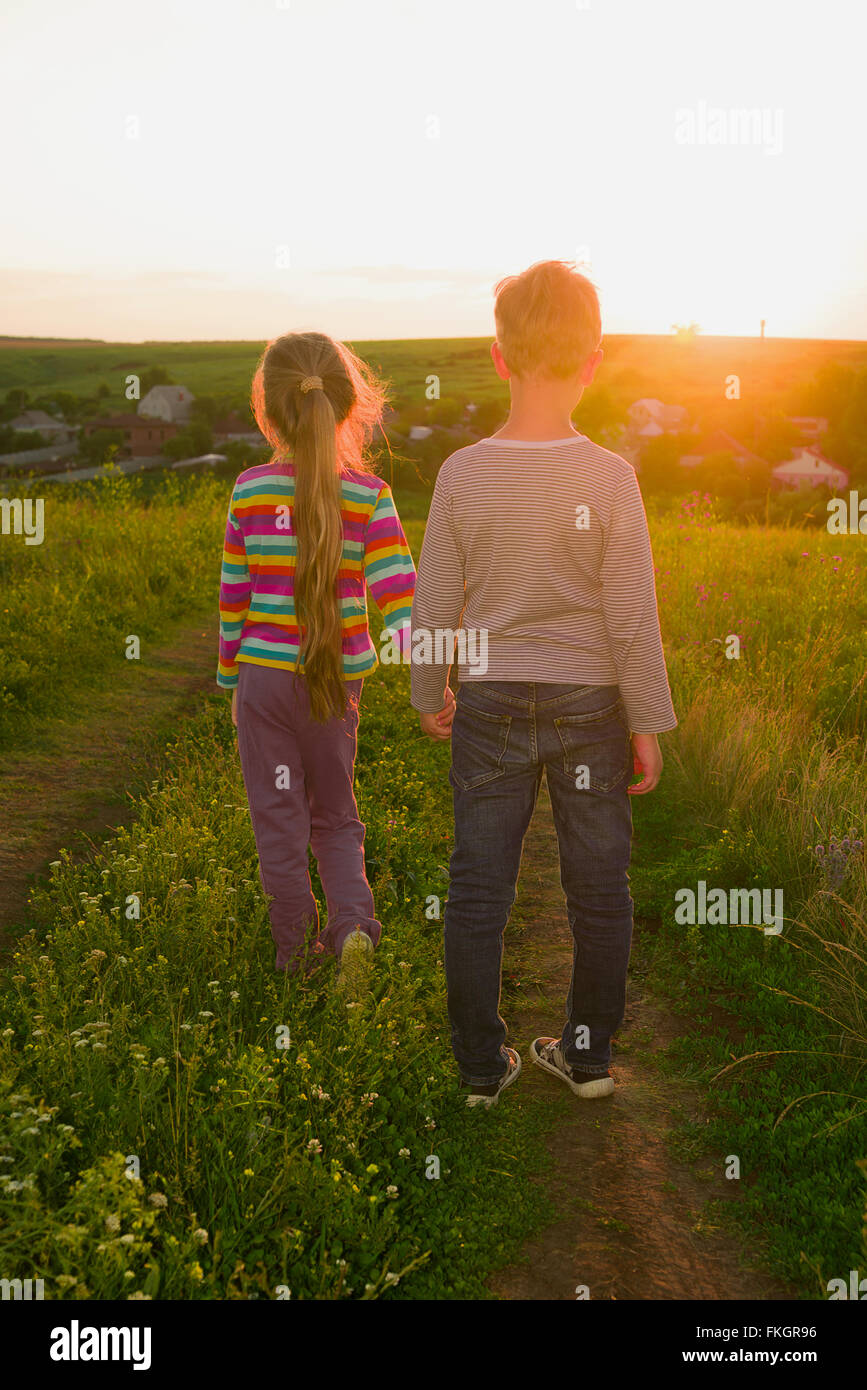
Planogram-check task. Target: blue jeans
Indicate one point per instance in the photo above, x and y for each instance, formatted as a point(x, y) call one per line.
point(504, 734)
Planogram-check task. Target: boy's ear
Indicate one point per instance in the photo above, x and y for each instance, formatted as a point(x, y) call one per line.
point(499, 362)
point(590, 368)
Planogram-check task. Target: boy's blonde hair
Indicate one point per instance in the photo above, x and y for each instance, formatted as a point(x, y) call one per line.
point(548, 320)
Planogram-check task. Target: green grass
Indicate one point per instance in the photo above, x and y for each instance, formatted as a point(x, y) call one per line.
point(768, 759)
point(156, 1038)
point(121, 558)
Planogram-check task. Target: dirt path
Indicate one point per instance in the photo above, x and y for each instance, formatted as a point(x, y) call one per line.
point(77, 784)
point(629, 1222)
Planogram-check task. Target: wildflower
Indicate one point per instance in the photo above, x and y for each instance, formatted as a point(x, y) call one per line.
point(201, 1236)
point(314, 1146)
point(234, 994)
point(391, 1190)
point(196, 1271)
point(205, 1013)
point(372, 1168)
point(158, 1199)
point(138, 1294)
point(392, 1278)
point(403, 1153)
point(112, 1222)
point(127, 1239)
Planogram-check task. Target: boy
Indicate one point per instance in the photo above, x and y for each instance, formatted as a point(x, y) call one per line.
point(538, 538)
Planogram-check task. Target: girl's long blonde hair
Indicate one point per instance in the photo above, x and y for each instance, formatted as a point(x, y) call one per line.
point(326, 429)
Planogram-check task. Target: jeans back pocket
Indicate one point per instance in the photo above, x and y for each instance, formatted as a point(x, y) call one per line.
point(479, 742)
point(598, 741)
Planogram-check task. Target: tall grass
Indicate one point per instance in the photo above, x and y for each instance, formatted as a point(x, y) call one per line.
point(149, 1042)
point(114, 563)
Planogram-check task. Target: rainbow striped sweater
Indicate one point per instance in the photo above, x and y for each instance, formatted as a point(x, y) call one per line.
point(258, 622)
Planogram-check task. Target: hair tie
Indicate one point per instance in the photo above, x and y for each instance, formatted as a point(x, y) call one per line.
point(311, 383)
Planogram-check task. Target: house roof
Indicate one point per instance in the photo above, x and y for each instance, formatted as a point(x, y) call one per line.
point(806, 460)
point(170, 393)
point(36, 419)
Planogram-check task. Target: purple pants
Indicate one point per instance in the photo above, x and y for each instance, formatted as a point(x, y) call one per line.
point(298, 776)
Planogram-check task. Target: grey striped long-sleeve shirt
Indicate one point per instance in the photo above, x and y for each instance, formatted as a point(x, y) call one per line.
point(545, 548)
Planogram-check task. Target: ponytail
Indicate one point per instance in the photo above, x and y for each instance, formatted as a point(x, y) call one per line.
point(319, 538)
point(314, 397)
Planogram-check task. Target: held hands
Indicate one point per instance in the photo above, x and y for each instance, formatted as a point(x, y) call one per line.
point(647, 759)
point(439, 726)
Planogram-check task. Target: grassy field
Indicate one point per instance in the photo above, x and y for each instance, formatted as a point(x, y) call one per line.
point(149, 1043)
point(692, 374)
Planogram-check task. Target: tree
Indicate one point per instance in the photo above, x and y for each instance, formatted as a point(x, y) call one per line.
point(154, 376)
point(189, 443)
point(776, 438)
point(597, 410)
point(489, 415)
point(16, 400)
point(98, 447)
point(205, 409)
point(660, 469)
point(447, 411)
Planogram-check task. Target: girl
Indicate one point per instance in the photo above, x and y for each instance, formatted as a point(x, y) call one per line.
point(305, 531)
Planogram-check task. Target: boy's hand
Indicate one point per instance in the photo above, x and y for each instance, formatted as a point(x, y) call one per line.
point(439, 726)
point(235, 707)
point(647, 759)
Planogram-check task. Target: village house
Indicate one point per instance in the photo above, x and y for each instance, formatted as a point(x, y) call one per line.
point(232, 428)
point(170, 403)
point(649, 418)
point(54, 429)
point(144, 435)
point(808, 467)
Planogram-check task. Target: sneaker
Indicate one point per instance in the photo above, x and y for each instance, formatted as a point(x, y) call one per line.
point(356, 963)
point(548, 1054)
point(489, 1095)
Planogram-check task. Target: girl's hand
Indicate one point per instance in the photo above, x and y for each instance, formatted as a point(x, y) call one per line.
point(235, 707)
point(439, 726)
point(647, 759)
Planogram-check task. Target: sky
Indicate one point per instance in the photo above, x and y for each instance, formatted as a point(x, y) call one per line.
point(235, 169)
